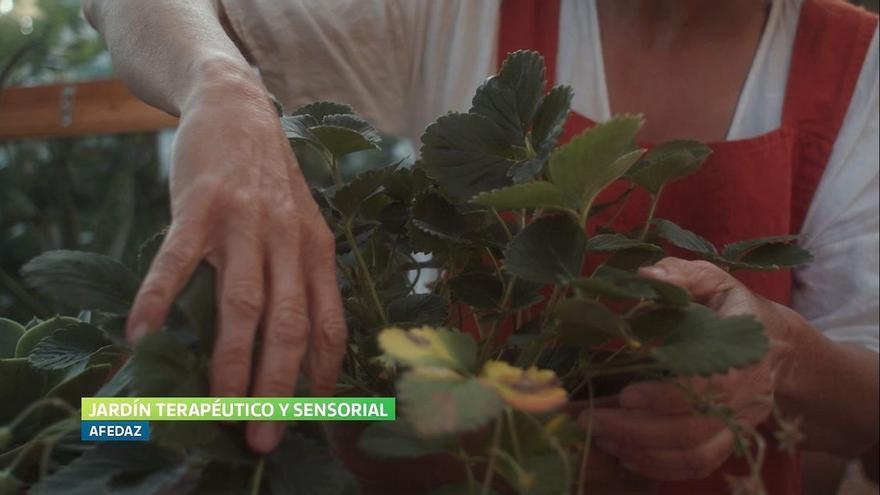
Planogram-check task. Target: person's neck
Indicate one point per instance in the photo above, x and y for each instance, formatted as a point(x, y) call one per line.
point(666, 23)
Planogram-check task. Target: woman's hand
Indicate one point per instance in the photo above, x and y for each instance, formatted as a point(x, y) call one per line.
point(656, 432)
point(239, 201)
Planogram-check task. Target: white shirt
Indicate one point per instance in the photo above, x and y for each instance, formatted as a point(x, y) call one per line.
point(402, 63)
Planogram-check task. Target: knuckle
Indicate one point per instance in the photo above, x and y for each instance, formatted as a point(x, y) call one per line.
point(333, 335)
point(174, 259)
point(232, 357)
point(245, 298)
point(290, 327)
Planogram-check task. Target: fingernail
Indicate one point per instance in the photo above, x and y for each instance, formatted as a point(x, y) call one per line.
point(633, 400)
point(265, 437)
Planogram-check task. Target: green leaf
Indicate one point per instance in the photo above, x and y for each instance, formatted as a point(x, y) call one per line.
point(301, 466)
point(20, 385)
point(537, 194)
point(605, 243)
point(619, 284)
point(162, 366)
point(67, 346)
point(434, 215)
point(585, 322)
point(478, 288)
point(350, 197)
point(82, 280)
point(141, 468)
point(197, 303)
point(440, 406)
point(320, 109)
point(38, 332)
point(344, 134)
point(696, 341)
point(684, 239)
point(766, 253)
point(467, 154)
point(511, 98)
point(417, 310)
point(526, 169)
point(296, 128)
point(594, 159)
point(84, 384)
point(10, 332)
point(118, 383)
point(668, 161)
point(550, 120)
point(398, 440)
point(548, 250)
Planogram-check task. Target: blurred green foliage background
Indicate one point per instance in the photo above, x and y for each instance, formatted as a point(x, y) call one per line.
point(99, 193)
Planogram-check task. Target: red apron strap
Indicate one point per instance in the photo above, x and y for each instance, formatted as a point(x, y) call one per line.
point(829, 50)
point(530, 25)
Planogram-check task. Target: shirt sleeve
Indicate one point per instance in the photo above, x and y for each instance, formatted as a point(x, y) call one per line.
point(398, 63)
point(839, 292)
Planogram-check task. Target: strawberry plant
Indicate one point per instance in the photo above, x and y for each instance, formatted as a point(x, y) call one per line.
point(516, 327)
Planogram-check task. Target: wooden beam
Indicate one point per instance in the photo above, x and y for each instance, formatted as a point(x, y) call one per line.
point(77, 109)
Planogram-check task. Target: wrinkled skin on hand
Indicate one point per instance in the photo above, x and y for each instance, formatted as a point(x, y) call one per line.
point(240, 202)
point(653, 429)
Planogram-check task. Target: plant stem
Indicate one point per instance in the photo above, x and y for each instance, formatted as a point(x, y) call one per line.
point(472, 482)
point(366, 279)
point(493, 457)
point(585, 213)
point(588, 439)
point(508, 292)
point(257, 477)
point(503, 223)
point(654, 200)
point(514, 438)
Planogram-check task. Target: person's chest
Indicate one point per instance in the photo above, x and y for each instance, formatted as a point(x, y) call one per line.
point(684, 89)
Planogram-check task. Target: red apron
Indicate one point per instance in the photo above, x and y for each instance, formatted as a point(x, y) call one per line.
point(753, 187)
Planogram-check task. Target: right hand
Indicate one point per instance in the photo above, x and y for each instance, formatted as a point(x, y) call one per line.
point(239, 201)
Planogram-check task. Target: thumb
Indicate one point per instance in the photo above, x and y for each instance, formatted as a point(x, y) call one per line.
point(701, 279)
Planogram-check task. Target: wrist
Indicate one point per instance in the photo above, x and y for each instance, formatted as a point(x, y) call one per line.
point(224, 80)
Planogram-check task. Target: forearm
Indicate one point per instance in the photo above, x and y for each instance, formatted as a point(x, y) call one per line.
point(166, 50)
point(833, 388)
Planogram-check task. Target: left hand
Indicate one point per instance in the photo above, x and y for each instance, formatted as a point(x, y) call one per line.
point(656, 432)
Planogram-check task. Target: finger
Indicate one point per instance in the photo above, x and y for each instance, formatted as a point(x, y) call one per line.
point(701, 279)
point(285, 339)
point(241, 295)
point(663, 397)
point(637, 430)
point(169, 272)
point(676, 465)
point(329, 333)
